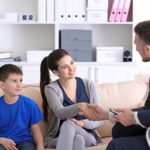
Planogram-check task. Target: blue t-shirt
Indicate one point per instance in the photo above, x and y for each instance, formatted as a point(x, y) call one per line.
point(16, 119)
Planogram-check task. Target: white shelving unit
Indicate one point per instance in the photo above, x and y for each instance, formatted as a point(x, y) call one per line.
point(19, 37)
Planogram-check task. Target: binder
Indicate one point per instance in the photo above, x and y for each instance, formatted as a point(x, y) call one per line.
point(76, 13)
point(120, 10)
point(82, 11)
point(69, 10)
point(113, 11)
point(50, 11)
point(41, 10)
point(60, 10)
point(126, 9)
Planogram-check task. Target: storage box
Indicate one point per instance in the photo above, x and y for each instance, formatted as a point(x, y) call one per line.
point(98, 4)
point(8, 17)
point(36, 56)
point(78, 43)
point(109, 54)
point(97, 16)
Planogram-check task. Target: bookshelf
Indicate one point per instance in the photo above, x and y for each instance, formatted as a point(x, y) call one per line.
point(19, 37)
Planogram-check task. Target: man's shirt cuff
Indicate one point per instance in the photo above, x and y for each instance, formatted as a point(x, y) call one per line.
point(137, 121)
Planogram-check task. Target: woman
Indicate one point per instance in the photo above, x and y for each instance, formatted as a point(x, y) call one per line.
point(68, 130)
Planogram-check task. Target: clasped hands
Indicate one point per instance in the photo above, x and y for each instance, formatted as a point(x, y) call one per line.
point(96, 112)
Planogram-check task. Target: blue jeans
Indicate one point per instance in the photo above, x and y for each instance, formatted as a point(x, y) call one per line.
point(23, 146)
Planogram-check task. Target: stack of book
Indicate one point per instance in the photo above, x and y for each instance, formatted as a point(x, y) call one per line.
point(7, 57)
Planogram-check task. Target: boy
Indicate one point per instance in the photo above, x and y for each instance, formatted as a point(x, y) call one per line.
point(18, 114)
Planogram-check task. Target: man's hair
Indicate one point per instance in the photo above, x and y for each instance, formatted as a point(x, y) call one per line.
point(8, 69)
point(142, 29)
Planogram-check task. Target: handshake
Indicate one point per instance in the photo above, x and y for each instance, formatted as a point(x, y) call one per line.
point(96, 112)
point(92, 111)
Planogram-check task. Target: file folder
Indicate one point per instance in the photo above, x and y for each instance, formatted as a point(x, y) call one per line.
point(120, 10)
point(60, 10)
point(82, 10)
point(125, 12)
point(41, 10)
point(76, 10)
point(114, 10)
point(50, 11)
point(69, 10)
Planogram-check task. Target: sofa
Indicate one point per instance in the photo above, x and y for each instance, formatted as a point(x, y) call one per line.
point(129, 94)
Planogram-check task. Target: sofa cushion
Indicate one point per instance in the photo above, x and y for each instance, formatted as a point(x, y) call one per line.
point(123, 94)
point(143, 77)
point(129, 94)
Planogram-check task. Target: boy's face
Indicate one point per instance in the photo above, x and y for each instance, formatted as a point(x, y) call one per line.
point(13, 85)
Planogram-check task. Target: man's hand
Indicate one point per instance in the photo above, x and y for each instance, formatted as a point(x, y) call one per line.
point(93, 112)
point(8, 144)
point(124, 117)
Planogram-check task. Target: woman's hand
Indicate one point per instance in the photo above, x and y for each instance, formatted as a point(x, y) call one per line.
point(93, 112)
point(78, 122)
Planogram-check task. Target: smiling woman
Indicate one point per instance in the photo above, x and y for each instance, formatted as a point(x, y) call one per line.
point(66, 97)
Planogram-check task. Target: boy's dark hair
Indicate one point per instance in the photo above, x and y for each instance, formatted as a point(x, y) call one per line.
point(142, 29)
point(8, 69)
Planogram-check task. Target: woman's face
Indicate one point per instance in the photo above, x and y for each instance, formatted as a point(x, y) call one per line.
point(66, 68)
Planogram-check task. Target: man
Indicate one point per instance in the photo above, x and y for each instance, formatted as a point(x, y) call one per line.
point(129, 131)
